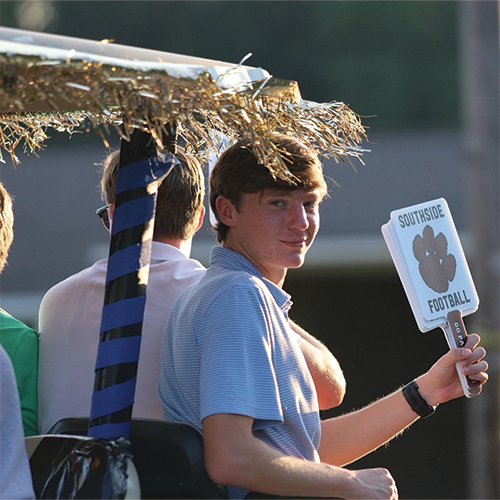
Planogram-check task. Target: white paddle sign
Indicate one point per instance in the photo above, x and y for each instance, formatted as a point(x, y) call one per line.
point(431, 264)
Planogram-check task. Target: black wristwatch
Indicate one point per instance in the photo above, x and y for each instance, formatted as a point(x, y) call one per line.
point(417, 403)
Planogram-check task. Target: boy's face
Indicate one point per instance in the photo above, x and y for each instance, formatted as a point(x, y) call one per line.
point(274, 229)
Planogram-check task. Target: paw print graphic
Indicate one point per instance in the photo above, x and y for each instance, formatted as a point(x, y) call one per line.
point(437, 267)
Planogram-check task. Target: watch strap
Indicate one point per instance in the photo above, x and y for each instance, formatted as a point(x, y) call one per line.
point(417, 403)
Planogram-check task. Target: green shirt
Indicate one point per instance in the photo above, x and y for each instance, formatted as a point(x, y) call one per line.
point(21, 344)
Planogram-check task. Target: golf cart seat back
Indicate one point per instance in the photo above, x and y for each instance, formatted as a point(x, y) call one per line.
point(168, 457)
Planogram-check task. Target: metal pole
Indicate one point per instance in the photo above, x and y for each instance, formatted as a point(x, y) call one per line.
point(480, 107)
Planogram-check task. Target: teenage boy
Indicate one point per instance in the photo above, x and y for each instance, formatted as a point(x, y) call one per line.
point(233, 367)
point(70, 312)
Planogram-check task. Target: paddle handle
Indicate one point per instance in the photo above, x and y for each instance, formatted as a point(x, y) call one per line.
point(456, 335)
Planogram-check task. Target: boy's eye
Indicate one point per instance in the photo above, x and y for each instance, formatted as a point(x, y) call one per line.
point(277, 203)
point(310, 204)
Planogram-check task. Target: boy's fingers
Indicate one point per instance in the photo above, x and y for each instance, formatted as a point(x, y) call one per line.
point(481, 377)
point(480, 366)
point(453, 355)
point(472, 341)
point(478, 354)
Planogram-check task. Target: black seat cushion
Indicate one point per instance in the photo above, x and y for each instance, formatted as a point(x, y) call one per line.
point(168, 457)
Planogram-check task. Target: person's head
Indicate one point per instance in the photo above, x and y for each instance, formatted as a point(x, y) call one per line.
point(6, 225)
point(179, 207)
point(238, 171)
point(269, 221)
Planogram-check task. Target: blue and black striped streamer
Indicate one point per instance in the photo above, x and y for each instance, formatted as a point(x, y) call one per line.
point(125, 296)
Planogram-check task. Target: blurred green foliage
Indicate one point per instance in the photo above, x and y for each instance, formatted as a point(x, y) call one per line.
point(397, 60)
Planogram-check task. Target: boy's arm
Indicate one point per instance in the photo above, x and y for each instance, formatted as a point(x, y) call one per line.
point(235, 457)
point(349, 437)
point(325, 369)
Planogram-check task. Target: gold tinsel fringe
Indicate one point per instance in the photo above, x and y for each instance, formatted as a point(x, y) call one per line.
point(37, 94)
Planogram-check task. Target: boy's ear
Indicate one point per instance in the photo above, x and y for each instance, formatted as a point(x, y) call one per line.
point(226, 210)
point(201, 216)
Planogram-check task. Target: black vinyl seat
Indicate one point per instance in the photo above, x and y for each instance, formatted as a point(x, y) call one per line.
point(168, 457)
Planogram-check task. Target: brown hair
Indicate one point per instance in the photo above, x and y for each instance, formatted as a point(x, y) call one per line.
point(6, 225)
point(180, 195)
point(238, 171)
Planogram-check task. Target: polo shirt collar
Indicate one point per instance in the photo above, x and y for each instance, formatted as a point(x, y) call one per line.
point(232, 261)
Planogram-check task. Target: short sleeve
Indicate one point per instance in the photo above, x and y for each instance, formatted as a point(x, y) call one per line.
point(236, 352)
point(26, 368)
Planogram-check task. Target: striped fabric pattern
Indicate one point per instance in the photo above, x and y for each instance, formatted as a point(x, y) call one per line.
point(228, 348)
point(125, 296)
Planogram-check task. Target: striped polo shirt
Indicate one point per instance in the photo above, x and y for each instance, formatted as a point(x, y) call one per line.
point(228, 348)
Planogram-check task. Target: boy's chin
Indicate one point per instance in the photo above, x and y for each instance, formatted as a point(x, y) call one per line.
point(296, 263)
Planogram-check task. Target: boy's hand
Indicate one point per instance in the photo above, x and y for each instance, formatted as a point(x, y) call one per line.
point(441, 382)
